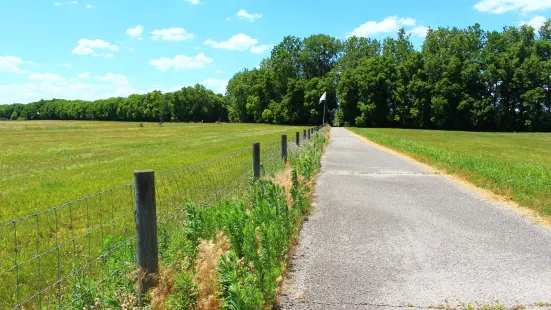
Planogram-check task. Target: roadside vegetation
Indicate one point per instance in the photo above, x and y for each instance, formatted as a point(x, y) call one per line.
point(514, 165)
point(232, 254)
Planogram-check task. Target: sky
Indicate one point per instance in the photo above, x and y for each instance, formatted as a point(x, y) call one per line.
point(93, 49)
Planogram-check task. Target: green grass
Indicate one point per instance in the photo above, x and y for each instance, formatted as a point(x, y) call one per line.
point(514, 165)
point(47, 163)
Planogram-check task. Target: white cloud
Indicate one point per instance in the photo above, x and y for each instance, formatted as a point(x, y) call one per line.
point(261, 48)
point(45, 77)
point(181, 62)
point(420, 31)
point(389, 24)
point(239, 42)
point(89, 6)
point(57, 4)
point(193, 1)
point(503, 6)
point(536, 22)
point(89, 47)
point(135, 32)
point(218, 86)
point(242, 14)
point(48, 86)
point(218, 71)
point(228, 19)
point(11, 64)
point(84, 75)
point(171, 34)
point(117, 79)
point(74, 2)
point(66, 65)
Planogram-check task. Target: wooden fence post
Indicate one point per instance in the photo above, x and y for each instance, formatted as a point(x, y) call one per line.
point(284, 147)
point(256, 160)
point(304, 134)
point(309, 133)
point(297, 138)
point(145, 217)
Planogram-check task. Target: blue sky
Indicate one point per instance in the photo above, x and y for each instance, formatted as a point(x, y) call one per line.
point(90, 49)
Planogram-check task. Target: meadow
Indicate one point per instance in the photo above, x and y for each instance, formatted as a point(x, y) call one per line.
point(514, 165)
point(62, 251)
point(46, 163)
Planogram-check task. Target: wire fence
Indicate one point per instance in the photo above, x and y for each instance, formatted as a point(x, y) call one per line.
point(64, 257)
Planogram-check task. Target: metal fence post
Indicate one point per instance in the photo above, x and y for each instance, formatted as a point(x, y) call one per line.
point(145, 217)
point(284, 147)
point(256, 160)
point(297, 138)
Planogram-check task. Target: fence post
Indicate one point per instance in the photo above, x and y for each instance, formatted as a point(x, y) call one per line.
point(304, 134)
point(256, 160)
point(297, 138)
point(308, 133)
point(284, 147)
point(145, 217)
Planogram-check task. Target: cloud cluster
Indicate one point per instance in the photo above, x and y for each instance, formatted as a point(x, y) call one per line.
point(181, 62)
point(239, 42)
point(503, 6)
point(536, 22)
point(90, 47)
point(50, 85)
point(135, 32)
point(390, 24)
point(171, 34)
point(11, 64)
point(242, 14)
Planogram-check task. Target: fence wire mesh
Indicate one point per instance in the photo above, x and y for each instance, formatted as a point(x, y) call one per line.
point(66, 256)
point(48, 259)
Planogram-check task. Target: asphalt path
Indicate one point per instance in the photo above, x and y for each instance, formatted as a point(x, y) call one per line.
point(387, 233)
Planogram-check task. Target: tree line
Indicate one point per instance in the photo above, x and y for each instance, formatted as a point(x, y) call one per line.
point(461, 79)
point(189, 104)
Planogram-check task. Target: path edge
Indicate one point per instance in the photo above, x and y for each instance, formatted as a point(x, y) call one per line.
point(465, 184)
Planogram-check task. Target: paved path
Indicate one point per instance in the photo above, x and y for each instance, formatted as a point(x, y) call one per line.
point(387, 233)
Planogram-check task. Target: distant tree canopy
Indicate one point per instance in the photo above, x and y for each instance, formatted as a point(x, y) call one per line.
point(188, 104)
point(462, 79)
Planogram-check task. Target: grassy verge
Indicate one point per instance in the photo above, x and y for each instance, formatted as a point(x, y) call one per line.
point(514, 165)
point(230, 255)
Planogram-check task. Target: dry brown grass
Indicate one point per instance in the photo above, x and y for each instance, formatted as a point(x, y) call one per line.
point(285, 180)
point(206, 274)
point(165, 288)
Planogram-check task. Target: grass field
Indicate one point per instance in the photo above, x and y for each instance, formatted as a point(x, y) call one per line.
point(515, 165)
point(47, 163)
